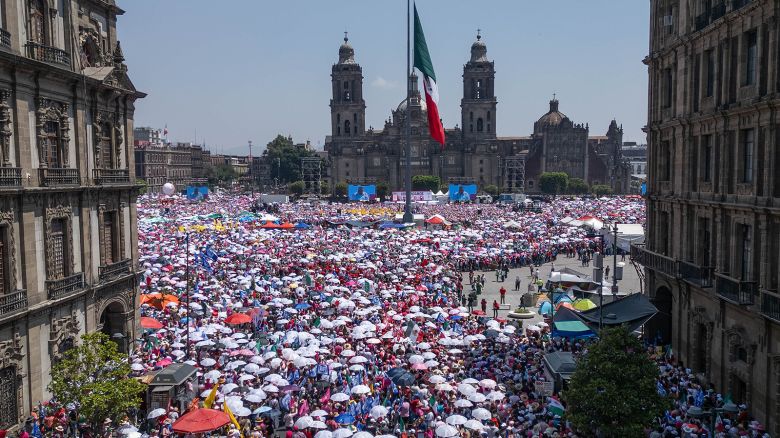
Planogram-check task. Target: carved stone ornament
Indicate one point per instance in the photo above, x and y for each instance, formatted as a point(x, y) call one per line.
point(52, 111)
point(12, 356)
point(63, 335)
point(7, 220)
point(59, 212)
point(5, 128)
point(90, 40)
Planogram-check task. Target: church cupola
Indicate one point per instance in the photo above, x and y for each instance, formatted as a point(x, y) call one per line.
point(478, 105)
point(347, 107)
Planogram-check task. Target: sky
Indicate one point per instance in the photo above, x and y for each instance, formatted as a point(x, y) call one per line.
point(228, 72)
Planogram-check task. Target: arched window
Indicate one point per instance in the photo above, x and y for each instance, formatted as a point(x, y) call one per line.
point(346, 91)
point(107, 146)
point(488, 116)
point(346, 127)
point(479, 124)
point(9, 411)
point(478, 90)
point(37, 22)
point(471, 117)
point(354, 122)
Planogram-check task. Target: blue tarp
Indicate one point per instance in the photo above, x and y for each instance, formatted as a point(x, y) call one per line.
point(302, 226)
point(386, 225)
point(196, 192)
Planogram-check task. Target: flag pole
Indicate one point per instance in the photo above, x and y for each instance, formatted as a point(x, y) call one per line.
point(408, 217)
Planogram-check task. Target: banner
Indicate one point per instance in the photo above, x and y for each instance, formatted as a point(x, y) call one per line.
point(463, 192)
point(425, 195)
point(361, 193)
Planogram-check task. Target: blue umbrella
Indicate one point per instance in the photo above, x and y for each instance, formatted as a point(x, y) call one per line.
point(302, 306)
point(345, 419)
point(545, 308)
point(456, 317)
point(302, 226)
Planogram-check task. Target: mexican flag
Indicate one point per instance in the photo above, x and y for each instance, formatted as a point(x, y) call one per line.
point(422, 62)
point(555, 406)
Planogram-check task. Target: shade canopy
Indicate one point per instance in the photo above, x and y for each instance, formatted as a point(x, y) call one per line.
point(201, 421)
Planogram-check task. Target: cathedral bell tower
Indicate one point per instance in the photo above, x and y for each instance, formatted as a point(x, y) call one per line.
point(347, 107)
point(478, 106)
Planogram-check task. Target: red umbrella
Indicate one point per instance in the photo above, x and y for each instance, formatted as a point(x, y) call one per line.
point(150, 323)
point(200, 421)
point(238, 318)
point(478, 313)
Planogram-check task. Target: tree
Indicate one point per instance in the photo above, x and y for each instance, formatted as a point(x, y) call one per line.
point(143, 187)
point(491, 190)
point(601, 189)
point(382, 189)
point(426, 182)
point(613, 391)
point(577, 186)
point(553, 183)
point(324, 187)
point(340, 189)
point(94, 376)
point(297, 188)
point(285, 158)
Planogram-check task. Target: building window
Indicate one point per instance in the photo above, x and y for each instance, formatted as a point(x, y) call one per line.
point(377, 161)
point(668, 88)
point(751, 43)
point(703, 246)
point(747, 155)
point(696, 82)
point(478, 90)
point(530, 183)
point(5, 262)
point(37, 22)
point(666, 161)
point(479, 125)
point(107, 146)
point(51, 144)
point(488, 116)
point(706, 157)
point(745, 252)
point(346, 127)
point(59, 239)
point(9, 411)
point(709, 57)
point(451, 160)
point(110, 247)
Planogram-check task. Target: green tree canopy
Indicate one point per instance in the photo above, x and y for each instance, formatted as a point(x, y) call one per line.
point(426, 182)
point(577, 186)
point(601, 190)
point(613, 392)
point(382, 189)
point(285, 158)
point(491, 190)
point(324, 187)
point(553, 183)
point(94, 375)
point(340, 189)
point(297, 188)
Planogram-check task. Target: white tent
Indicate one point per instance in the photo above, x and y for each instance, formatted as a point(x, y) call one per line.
point(627, 234)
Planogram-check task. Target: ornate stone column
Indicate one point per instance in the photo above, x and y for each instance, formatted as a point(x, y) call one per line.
point(5, 128)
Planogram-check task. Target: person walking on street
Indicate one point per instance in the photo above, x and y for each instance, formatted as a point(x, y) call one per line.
point(517, 283)
point(606, 272)
point(495, 309)
point(502, 292)
point(484, 305)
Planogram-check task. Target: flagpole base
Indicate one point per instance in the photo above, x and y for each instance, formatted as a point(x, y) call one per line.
point(408, 217)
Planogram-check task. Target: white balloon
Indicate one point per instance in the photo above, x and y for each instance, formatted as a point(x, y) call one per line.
point(168, 188)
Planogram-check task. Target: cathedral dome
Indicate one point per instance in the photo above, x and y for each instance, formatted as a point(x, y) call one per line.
point(479, 50)
point(415, 101)
point(553, 117)
point(346, 53)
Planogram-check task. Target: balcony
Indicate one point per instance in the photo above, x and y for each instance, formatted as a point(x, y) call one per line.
point(110, 176)
point(58, 176)
point(657, 262)
point(52, 55)
point(770, 305)
point(12, 303)
point(699, 275)
point(5, 38)
point(63, 287)
point(10, 176)
point(736, 291)
point(114, 270)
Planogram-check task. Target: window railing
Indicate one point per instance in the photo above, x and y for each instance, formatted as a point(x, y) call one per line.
point(14, 302)
point(39, 52)
point(658, 262)
point(10, 176)
point(770, 305)
point(114, 270)
point(110, 176)
point(736, 291)
point(59, 176)
point(698, 275)
point(63, 287)
point(5, 38)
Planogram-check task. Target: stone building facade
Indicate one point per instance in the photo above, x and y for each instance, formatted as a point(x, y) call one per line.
point(178, 164)
point(713, 248)
point(473, 152)
point(67, 190)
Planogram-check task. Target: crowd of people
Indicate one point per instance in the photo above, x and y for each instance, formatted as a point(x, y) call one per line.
point(326, 330)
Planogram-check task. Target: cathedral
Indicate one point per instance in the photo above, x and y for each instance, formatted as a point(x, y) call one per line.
point(473, 153)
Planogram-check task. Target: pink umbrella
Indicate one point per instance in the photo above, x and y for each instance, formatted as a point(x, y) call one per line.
point(419, 367)
point(242, 352)
point(164, 362)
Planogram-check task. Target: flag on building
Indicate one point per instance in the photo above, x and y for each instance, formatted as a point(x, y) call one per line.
point(422, 62)
point(555, 406)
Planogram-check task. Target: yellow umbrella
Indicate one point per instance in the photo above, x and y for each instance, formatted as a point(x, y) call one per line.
point(583, 304)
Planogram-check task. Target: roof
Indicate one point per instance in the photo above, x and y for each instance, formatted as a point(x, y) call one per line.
point(561, 362)
point(633, 311)
point(553, 117)
point(174, 374)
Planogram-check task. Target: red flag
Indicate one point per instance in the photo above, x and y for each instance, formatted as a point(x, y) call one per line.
point(325, 398)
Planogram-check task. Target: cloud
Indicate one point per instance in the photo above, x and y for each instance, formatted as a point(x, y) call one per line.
point(383, 83)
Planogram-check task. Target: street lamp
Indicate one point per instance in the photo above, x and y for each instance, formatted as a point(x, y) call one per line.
point(699, 413)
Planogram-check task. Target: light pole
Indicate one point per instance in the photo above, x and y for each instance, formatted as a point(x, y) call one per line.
point(699, 413)
point(598, 276)
point(252, 174)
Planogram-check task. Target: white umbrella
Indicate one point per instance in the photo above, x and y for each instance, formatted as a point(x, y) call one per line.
point(360, 389)
point(358, 359)
point(415, 359)
point(357, 367)
point(481, 414)
point(456, 420)
point(304, 422)
point(156, 413)
point(444, 387)
point(378, 411)
point(339, 397)
point(466, 389)
point(242, 412)
point(319, 413)
point(228, 387)
point(363, 434)
point(347, 353)
point(463, 403)
point(137, 367)
point(324, 434)
point(487, 383)
point(445, 431)
point(473, 425)
point(477, 397)
point(495, 396)
point(254, 398)
point(208, 362)
point(342, 433)
point(318, 425)
point(436, 378)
